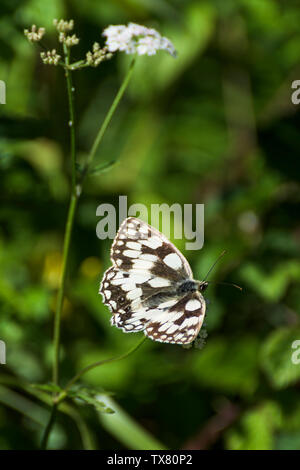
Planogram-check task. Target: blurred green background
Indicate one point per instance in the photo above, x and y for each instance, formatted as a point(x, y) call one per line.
point(215, 126)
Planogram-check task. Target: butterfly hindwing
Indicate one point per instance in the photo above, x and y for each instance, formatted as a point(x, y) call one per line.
point(177, 321)
point(125, 293)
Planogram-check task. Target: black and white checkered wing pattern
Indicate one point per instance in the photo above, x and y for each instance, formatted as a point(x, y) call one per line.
point(122, 292)
point(177, 321)
point(139, 247)
point(140, 288)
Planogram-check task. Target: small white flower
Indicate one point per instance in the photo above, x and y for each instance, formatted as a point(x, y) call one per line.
point(136, 38)
point(148, 45)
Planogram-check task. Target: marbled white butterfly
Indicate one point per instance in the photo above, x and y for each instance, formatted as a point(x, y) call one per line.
point(150, 286)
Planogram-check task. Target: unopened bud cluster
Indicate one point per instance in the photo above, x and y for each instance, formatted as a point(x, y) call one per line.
point(97, 56)
point(34, 35)
point(63, 26)
point(69, 41)
point(50, 57)
point(200, 341)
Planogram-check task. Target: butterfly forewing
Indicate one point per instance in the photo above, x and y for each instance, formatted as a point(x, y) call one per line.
point(140, 247)
point(141, 288)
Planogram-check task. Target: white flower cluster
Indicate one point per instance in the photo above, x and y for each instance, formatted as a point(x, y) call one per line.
point(34, 35)
point(50, 57)
point(135, 38)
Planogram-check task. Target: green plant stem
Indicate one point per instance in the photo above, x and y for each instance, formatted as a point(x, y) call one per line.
point(67, 241)
point(49, 427)
point(61, 291)
point(70, 218)
point(70, 90)
point(86, 369)
point(57, 320)
point(108, 117)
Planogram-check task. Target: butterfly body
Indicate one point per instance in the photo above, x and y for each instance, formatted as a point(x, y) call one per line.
point(191, 286)
point(150, 286)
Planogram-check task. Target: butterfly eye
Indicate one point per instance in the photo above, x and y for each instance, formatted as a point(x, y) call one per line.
point(127, 309)
point(203, 286)
point(121, 299)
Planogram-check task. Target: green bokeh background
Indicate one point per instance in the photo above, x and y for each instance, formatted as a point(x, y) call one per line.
point(215, 126)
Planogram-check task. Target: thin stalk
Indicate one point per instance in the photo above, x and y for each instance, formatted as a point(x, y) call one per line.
point(49, 427)
point(61, 291)
point(70, 218)
point(57, 320)
point(67, 242)
point(70, 90)
point(86, 369)
point(108, 117)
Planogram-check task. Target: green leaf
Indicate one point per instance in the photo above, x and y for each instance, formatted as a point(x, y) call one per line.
point(89, 396)
point(276, 357)
point(49, 387)
point(102, 167)
point(97, 169)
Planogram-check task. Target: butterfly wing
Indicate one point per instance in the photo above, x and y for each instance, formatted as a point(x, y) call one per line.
point(177, 321)
point(140, 247)
point(122, 292)
point(140, 287)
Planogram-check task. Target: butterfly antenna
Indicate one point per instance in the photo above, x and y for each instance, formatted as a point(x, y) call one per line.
point(226, 284)
point(212, 267)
